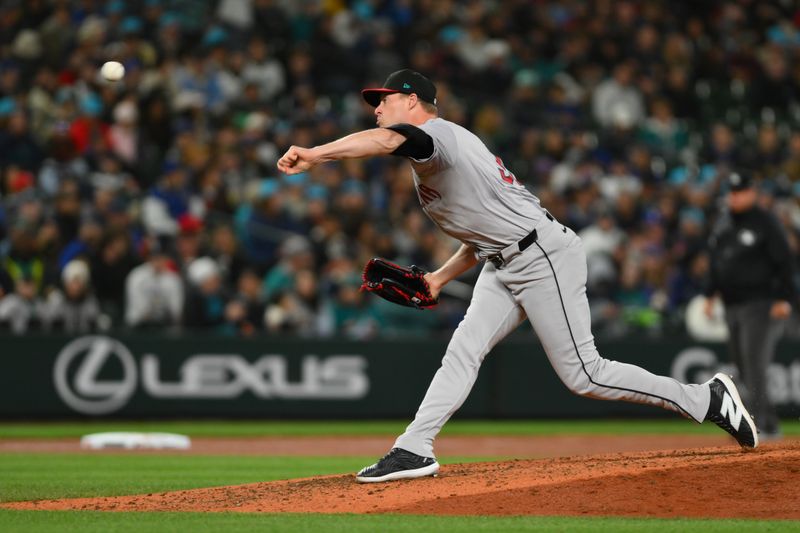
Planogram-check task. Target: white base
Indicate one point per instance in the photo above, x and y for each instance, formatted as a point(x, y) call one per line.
point(134, 441)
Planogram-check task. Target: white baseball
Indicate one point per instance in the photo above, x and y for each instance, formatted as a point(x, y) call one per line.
point(112, 70)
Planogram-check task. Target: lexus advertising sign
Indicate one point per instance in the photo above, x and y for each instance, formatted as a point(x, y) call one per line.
point(77, 375)
point(137, 376)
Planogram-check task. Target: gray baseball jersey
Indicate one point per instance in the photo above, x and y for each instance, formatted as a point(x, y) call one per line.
point(468, 192)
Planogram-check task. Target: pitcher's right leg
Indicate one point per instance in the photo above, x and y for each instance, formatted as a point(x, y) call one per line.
point(549, 280)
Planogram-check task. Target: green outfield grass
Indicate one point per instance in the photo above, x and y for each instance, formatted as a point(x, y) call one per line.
point(26, 476)
point(248, 428)
point(29, 476)
point(91, 522)
point(46, 476)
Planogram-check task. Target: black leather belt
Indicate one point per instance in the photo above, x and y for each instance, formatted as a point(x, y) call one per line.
point(502, 257)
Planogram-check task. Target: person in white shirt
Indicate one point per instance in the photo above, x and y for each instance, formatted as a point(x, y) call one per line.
point(154, 293)
point(74, 308)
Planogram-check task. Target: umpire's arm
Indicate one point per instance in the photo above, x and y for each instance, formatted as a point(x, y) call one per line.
point(783, 263)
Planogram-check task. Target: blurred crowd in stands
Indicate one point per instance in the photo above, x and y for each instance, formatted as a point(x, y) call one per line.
point(154, 202)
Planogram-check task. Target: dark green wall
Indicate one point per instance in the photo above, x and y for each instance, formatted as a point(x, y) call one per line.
point(150, 376)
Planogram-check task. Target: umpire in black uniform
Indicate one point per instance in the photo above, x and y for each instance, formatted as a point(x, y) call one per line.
point(752, 270)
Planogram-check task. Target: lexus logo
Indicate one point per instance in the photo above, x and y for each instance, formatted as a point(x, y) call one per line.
point(77, 375)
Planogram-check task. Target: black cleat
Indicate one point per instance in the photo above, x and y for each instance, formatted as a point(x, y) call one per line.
point(728, 412)
point(398, 464)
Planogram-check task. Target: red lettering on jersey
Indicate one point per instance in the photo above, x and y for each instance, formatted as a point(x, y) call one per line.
point(505, 174)
point(427, 194)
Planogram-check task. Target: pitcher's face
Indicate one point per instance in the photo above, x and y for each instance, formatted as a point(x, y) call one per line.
point(393, 109)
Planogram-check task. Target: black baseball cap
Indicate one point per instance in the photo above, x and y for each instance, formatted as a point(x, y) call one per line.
point(404, 81)
point(739, 181)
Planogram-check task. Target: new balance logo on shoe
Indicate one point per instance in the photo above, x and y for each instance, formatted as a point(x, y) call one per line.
point(728, 409)
point(728, 412)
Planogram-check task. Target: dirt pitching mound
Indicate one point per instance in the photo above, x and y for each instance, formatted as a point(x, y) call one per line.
point(701, 482)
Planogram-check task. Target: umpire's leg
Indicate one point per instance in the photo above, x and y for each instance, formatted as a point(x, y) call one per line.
point(759, 335)
point(733, 319)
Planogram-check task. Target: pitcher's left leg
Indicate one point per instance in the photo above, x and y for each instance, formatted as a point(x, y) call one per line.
point(491, 316)
point(554, 298)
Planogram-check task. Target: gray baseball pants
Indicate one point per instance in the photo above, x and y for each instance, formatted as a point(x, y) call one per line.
point(547, 284)
point(753, 338)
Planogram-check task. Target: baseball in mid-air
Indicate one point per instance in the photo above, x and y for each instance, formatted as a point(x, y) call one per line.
point(112, 70)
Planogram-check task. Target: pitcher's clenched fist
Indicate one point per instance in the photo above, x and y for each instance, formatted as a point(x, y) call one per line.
point(296, 160)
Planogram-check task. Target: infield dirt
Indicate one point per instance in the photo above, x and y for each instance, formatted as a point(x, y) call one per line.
point(712, 482)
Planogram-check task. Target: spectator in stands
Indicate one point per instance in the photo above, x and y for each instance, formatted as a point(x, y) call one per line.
point(74, 309)
point(111, 264)
point(663, 133)
point(89, 132)
point(244, 313)
point(206, 297)
point(689, 280)
point(23, 260)
point(602, 241)
point(154, 292)
point(6, 283)
point(170, 199)
point(214, 91)
point(264, 224)
point(22, 310)
point(225, 249)
point(124, 132)
point(188, 242)
point(262, 71)
point(349, 311)
point(295, 255)
point(17, 145)
point(618, 99)
point(296, 311)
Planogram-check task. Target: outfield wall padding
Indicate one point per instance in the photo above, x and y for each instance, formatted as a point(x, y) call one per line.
point(126, 376)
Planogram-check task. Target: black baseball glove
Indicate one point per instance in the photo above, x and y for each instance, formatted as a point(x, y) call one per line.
point(401, 285)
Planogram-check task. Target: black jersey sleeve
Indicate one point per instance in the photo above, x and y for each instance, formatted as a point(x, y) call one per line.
point(418, 144)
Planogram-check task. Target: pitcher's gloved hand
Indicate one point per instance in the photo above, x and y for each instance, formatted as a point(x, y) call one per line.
point(401, 285)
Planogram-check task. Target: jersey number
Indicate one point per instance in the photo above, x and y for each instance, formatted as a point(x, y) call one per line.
point(505, 174)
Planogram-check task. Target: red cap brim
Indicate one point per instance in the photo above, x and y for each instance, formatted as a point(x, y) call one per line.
point(373, 96)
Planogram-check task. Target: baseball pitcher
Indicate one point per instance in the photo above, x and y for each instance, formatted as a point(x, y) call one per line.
point(534, 268)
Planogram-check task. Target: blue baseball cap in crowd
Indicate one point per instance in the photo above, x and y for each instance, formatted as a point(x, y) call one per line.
point(91, 105)
point(296, 179)
point(131, 25)
point(315, 191)
point(115, 6)
point(169, 165)
point(7, 106)
point(215, 36)
point(692, 214)
point(168, 19)
point(353, 187)
point(267, 188)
